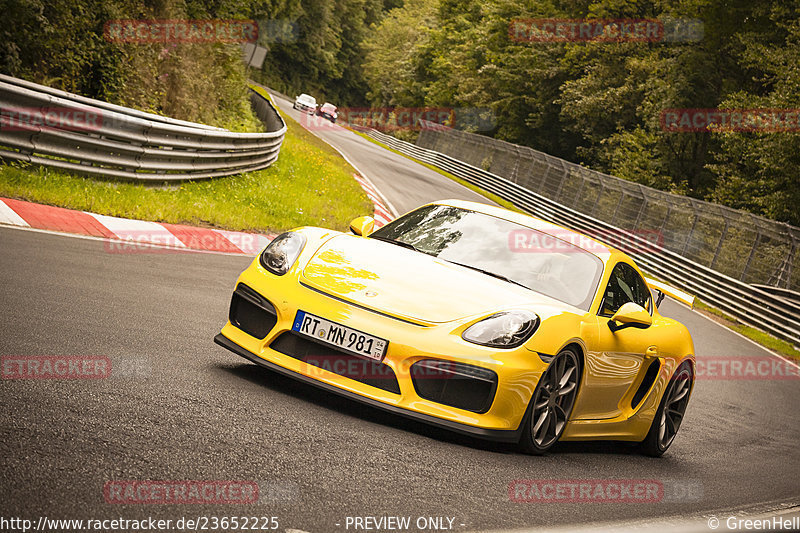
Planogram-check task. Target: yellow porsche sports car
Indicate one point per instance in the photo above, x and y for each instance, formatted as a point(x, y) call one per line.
point(473, 318)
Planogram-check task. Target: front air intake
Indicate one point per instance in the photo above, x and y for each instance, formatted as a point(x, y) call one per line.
point(372, 373)
point(458, 385)
point(251, 312)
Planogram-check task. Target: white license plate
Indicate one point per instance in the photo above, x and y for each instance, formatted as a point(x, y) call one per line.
point(347, 339)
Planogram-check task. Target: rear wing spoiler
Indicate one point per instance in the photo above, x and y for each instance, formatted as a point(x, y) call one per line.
point(664, 289)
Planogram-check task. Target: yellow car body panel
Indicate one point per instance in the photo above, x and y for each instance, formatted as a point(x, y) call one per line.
point(333, 277)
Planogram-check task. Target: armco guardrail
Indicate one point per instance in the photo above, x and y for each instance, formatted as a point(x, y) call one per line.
point(742, 245)
point(748, 304)
point(45, 126)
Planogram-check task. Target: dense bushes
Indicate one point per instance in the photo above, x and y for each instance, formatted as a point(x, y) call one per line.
point(60, 43)
point(600, 103)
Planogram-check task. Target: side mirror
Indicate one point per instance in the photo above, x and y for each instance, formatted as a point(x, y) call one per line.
point(362, 226)
point(630, 315)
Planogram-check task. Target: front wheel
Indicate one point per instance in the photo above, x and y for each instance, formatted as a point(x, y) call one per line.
point(551, 404)
point(670, 412)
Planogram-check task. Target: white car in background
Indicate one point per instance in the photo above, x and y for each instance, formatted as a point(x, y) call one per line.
point(305, 103)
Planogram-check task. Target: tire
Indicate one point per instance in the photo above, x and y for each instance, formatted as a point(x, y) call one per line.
point(670, 412)
point(551, 404)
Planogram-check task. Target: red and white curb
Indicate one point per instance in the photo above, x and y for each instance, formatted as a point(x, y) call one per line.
point(382, 214)
point(127, 235)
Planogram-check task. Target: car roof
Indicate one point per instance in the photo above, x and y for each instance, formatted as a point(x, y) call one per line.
point(581, 240)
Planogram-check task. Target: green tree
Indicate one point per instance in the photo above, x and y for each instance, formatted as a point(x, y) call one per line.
point(760, 171)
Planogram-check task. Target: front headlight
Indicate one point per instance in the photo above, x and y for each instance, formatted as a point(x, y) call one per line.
point(508, 329)
point(279, 256)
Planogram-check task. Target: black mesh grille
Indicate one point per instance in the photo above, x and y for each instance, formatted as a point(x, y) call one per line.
point(455, 384)
point(344, 364)
point(251, 312)
point(649, 378)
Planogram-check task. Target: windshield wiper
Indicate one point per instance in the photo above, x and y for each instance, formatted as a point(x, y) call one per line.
point(489, 273)
point(398, 243)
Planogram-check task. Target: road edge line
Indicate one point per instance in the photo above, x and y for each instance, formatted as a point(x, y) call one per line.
point(392, 210)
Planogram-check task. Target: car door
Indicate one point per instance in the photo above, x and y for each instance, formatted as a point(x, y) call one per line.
point(615, 359)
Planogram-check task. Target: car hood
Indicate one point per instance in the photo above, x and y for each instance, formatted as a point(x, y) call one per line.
point(409, 285)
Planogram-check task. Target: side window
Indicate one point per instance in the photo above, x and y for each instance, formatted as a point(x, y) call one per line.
point(625, 285)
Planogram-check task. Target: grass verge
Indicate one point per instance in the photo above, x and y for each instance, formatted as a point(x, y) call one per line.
point(764, 339)
point(310, 184)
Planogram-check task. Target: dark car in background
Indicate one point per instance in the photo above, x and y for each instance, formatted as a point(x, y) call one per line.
point(328, 110)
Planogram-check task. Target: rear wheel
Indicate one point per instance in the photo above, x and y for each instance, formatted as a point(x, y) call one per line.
point(670, 412)
point(552, 403)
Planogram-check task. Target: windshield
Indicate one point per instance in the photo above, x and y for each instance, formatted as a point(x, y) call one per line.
point(483, 242)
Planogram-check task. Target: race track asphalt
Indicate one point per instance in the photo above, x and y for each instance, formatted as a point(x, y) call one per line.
point(190, 410)
point(405, 183)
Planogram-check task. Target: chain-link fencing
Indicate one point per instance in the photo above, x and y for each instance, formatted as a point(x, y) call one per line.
point(741, 245)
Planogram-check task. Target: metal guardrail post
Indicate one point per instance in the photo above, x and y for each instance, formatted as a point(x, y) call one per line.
point(750, 257)
point(689, 235)
point(719, 245)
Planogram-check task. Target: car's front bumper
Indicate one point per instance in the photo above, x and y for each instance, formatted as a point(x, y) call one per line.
point(517, 371)
point(489, 434)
